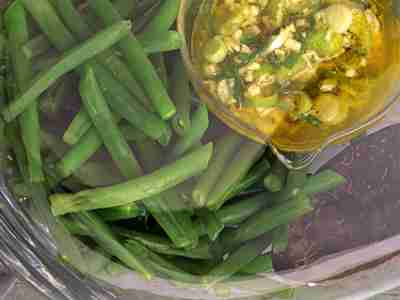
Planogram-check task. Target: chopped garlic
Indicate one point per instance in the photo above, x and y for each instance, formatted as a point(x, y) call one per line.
point(231, 44)
point(224, 89)
point(363, 62)
point(280, 54)
point(302, 23)
point(210, 70)
point(284, 35)
point(249, 76)
point(338, 17)
point(351, 73)
point(253, 30)
point(254, 11)
point(253, 90)
point(265, 111)
point(237, 35)
point(253, 66)
point(245, 49)
point(266, 20)
point(211, 85)
point(328, 85)
point(266, 79)
point(293, 45)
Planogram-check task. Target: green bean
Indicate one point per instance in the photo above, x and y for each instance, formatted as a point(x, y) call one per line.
point(225, 149)
point(16, 23)
point(72, 19)
point(322, 182)
point(162, 267)
point(200, 123)
point(13, 137)
point(102, 118)
point(121, 102)
point(184, 191)
point(68, 62)
point(135, 189)
point(295, 182)
point(108, 58)
point(102, 234)
point(124, 7)
point(12, 129)
point(122, 74)
point(162, 245)
point(167, 208)
point(107, 215)
point(121, 213)
point(132, 134)
point(248, 153)
point(276, 179)
point(37, 46)
point(173, 218)
point(212, 224)
point(45, 15)
point(168, 41)
point(48, 21)
point(40, 44)
point(75, 158)
point(280, 239)
point(80, 124)
point(268, 219)
point(197, 267)
point(237, 213)
point(134, 56)
point(79, 154)
point(261, 264)
point(256, 174)
point(74, 226)
point(180, 93)
point(164, 19)
point(237, 260)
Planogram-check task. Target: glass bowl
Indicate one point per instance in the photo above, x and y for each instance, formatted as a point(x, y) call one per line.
point(299, 153)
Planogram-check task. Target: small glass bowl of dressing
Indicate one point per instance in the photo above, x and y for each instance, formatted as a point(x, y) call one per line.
point(306, 141)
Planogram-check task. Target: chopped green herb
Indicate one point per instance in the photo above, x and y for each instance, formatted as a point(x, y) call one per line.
point(310, 119)
point(250, 40)
point(238, 88)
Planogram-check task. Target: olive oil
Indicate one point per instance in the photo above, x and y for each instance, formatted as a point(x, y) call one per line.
point(332, 64)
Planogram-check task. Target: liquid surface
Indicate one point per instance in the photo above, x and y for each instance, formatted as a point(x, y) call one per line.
point(296, 70)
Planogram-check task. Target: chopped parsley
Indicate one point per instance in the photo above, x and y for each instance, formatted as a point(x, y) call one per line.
point(250, 40)
point(310, 119)
point(230, 70)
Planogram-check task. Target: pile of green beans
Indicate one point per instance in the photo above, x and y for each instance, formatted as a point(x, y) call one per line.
point(137, 171)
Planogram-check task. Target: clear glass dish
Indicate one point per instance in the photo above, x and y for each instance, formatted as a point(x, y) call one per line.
point(383, 95)
point(30, 245)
